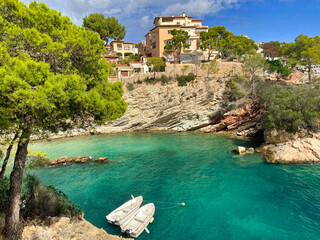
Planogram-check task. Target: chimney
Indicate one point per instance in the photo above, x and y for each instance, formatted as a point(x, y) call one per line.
point(172, 15)
point(183, 14)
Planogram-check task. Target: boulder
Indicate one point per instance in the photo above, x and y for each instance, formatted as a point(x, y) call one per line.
point(102, 160)
point(250, 151)
point(241, 150)
point(81, 159)
point(281, 136)
point(301, 150)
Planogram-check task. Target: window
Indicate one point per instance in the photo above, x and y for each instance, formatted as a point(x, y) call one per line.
point(169, 31)
point(166, 42)
point(178, 23)
point(190, 43)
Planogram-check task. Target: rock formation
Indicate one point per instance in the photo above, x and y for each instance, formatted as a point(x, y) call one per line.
point(64, 229)
point(169, 107)
point(287, 148)
point(67, 160)
point(243, 151)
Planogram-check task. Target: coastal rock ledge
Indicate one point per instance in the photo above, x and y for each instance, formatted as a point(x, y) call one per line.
point(65, 228)
point(67, 160)
point(303, 147)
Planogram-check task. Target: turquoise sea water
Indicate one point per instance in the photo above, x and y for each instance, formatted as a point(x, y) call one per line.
point(226, 196)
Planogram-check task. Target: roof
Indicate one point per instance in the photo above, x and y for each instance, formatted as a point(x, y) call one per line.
point(123, 66)
point(120, 41)
point(171, 17)
point(110, 56)
point(137, 65)
point(178, 26)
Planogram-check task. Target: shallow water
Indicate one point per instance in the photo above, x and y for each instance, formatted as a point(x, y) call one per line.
point(226, 196)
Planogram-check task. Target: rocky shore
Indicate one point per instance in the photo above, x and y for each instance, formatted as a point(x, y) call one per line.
point(287, 148)
point(202, 106)
point(64, 229)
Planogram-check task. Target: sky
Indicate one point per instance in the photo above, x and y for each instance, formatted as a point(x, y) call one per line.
point(261, 20)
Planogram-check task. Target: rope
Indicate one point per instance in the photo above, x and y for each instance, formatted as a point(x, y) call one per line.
point(176, 204)
point(150, 201)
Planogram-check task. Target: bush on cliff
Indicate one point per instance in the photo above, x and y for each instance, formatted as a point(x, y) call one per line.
point(184, 79)
point(290, 107)
point(236, 91)
point(164, 79)
point(44, 201)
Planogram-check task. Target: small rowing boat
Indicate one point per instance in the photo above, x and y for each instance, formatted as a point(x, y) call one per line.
point(134, 225)
point(119, 215)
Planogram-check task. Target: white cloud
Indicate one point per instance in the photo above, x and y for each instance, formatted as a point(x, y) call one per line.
point(129, 12)
point(200, 7)
point(145, 22)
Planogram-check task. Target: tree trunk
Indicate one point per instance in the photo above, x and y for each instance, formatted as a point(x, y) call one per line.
point(309, 73)
point(12, 220)
point(5, 161)
point(252, 85)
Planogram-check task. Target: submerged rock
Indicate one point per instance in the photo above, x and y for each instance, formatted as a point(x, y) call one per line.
point(67, 160)
point(102, 160)
point(82, 159)
point(242, 150)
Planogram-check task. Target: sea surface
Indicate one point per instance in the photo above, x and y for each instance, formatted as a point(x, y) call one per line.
point(226, 196)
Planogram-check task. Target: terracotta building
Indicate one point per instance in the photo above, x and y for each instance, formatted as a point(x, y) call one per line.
point(160, 35)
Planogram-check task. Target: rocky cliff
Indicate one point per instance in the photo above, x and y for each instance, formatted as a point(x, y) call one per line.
point(169, 107)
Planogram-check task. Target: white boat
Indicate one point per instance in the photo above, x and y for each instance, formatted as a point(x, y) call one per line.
point(138, 222)
point(119, 215)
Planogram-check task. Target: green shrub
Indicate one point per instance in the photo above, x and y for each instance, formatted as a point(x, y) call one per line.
point(4, 194)
point(236, 91)
point(191, 77)
point(164, 79)
point(139, 81)
point(290, 108)
point(277, 66)
point(148, 80)
point(184, 79)
point(130, 86)
point(36, 159)
point(44, 201)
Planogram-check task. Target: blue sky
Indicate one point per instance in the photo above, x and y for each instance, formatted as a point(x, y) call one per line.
point(261, 20)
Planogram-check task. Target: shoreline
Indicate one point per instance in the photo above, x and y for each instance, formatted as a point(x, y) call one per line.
point(88, 134)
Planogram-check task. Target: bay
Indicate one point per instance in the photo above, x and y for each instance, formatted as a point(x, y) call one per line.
point(227, 196)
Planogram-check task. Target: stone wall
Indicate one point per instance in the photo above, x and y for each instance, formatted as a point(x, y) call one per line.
point(179, 69)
